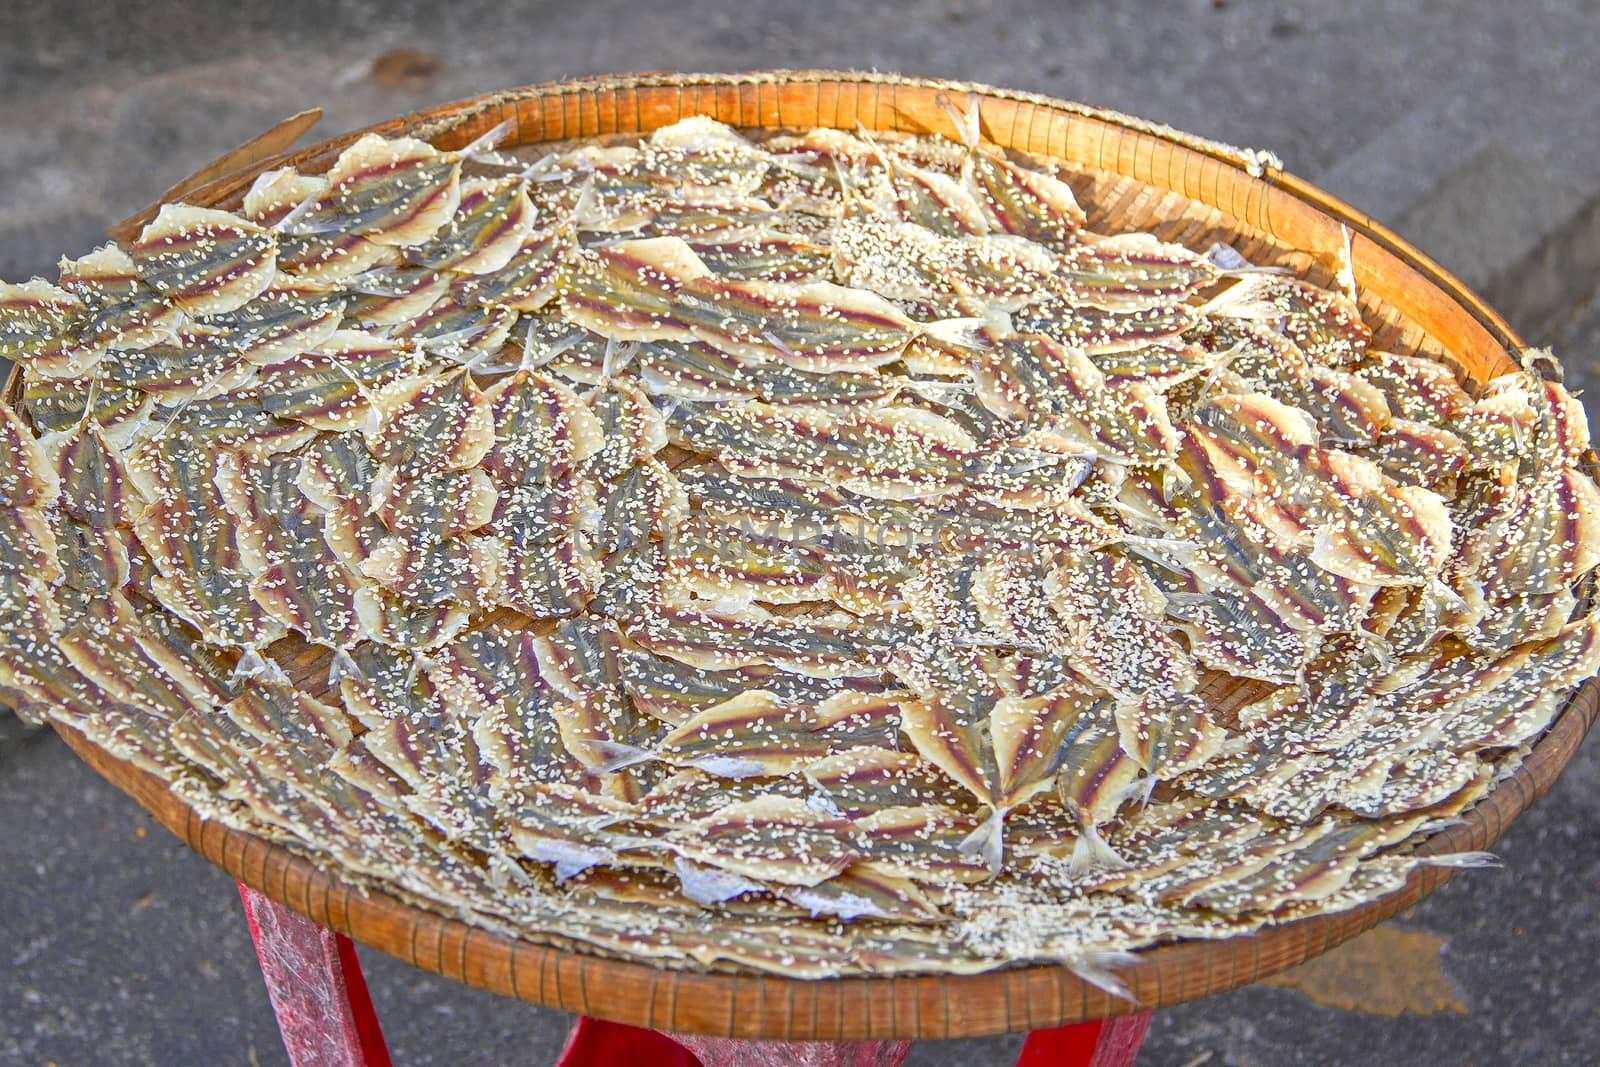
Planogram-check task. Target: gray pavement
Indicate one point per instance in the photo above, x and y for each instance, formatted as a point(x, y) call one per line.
point(1469, 127)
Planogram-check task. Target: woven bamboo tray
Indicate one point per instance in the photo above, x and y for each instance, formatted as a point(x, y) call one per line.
point(1128, 174)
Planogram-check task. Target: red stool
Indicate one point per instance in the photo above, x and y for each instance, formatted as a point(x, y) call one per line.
point(325, 1016)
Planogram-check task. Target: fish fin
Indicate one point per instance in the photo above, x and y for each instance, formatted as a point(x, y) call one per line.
point(291, 224)
point(988, 840)
point(821, 802)
point(968, 120)
point(846, 906)
point(1346, 275)
point(1230, 263)
point(568, 868)
point(1140, 789)
point(618, 756)
point(1095, 967)
point(485, 143)
point(704, 885)
point(963, 332)
point(253, 665)
point(569, 858)
point(726, 766)
point(505, 873)
point(1464, 860)
point(1091, 851)
point(341, 666)
point(617, 356)
point(1433, 826)
point(1226, 257)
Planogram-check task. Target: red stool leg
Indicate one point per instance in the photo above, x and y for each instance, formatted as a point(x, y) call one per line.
point(318, 994)
point(730, 1052)
point(326, 1018)
point(1110, 1042)
point(599, 1043)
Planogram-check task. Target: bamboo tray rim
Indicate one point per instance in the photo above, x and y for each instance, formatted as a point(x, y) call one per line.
point(1253, 190)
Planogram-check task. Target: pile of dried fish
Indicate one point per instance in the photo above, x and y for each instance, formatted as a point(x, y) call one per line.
point(817, 554)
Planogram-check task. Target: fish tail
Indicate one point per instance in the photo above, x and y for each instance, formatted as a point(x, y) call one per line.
point(1091, 851)
point(988, 840)
point(1464, 860)
point(617, 756)
point(1095, 967)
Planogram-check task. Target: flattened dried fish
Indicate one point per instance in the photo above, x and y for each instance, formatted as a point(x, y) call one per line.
point(718, 562)
point(1110, 617)
point(1325, 324)
point(544, 581)
point(418, 425)
point(757, 254)
point(396, 191)
point(92, 560)
point(188, 533)
point(923, 842)
point(1058, 390)
point(1026, 203)
point(674, 691)
point(1134, 270)
point(1097, 331)
point(207, 262)
point(464, 332)
point(530, 278)
point(1346, 408)
point(631, 428)
point(434, 571)
point(754, 733)
point(775, 839)
point(542, 429)
point(29, 478)
point(492, 220)
point(194, 364)
point(332, 385)
point(827, 648)
point(38, 323)
point(282, 322)
point(890, 452)
point(120, 307)
point(1547, 536)
point(57, 404)
point(1416, 453)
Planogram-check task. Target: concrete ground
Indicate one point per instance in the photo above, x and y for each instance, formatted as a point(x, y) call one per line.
point(1468, 127)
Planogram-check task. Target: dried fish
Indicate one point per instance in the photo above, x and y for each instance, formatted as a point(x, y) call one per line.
point(1134, 270)
point(1326, 325)
point(332, 385)
point(38, 324)
point(631, 429)
point(1097, 331)
point(775, 839)
point(815, 553)
point(30, 478)
point(119, 307)
point(205, 261)
point(418, 425)
point(281, 322)
point(492, 220)
point(829, 647)
point(396, 191)
point(529, 279)
point(57, 404)
point(542, 429)
point(1023, 202)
